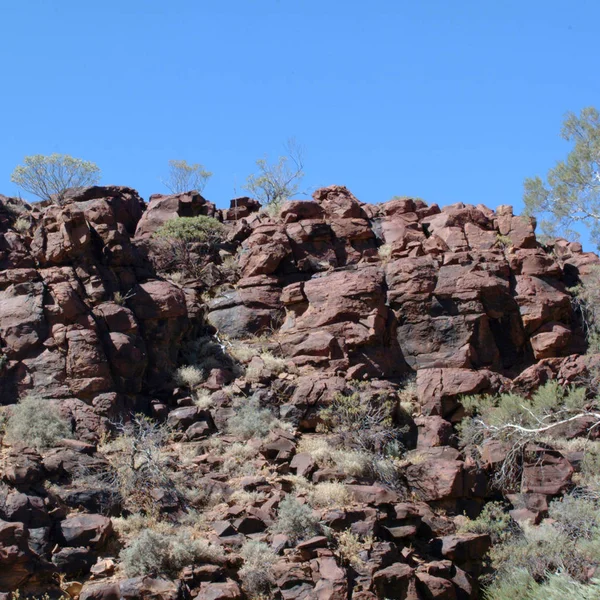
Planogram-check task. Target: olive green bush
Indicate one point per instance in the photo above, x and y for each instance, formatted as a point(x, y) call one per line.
point(36, 422)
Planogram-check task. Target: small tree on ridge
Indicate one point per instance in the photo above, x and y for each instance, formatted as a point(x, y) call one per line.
point(185, 177)
point(49, 177)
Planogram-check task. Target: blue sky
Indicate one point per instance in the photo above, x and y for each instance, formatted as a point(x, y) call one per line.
point(447, 100)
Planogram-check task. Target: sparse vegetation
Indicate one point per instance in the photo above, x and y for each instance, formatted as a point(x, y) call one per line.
point(182, 241)
point(185, 177)
point(49, 177)
point(585, 298)
point(493, 520)
point(277, 182)
point(329, 494)
point(384, 252)
point(296, 520)
point(153, 553)
point(256, 572)
point(250, 420)
point(189, 376)
point(518, 421)
point(138, 464)
point(351, 546)
point(37, 423)
point(557, 586)
point(503, 241)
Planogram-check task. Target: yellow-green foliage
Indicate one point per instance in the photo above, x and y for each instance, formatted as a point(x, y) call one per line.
point(37, 423)
point(49, 177)
point(296, 520)
point(200, 229)
point(256, 572)
point(493, 520)
point(164, 554)
point(520, 585)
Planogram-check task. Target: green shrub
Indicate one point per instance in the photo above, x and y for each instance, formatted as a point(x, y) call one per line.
point(493, 520)
point(181, 242)
point(578, 518)
point(250, 420)
point(201, 229)
point(516, 421)
point(256, 572)
point(36, 423)
point(153, 553)
point(545, 549)
point(520, 585)
point(296, 520)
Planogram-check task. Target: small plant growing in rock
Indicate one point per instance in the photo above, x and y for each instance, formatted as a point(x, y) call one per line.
point(250, 420)
point(137, 464)
point(256, 572)
point(493, 520)
point(503, 241)
point(22, 225)
point(121, 299)
point(384, 252)
point(350, 546)
point(296, 520)
point(36, 423)
point(329, 494)
point(49, 177)
point(189, 376)
point(153, 553)
point(182, 241)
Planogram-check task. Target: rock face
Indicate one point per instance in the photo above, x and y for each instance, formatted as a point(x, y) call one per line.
point(351, 296)
point(381, 290)
point(83, 315)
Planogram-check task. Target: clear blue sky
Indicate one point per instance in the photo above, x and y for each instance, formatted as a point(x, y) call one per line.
point(447, 100)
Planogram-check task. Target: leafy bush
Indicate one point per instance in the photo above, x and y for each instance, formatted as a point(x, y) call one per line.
point(49, 177)
point(545, 549)
point(520, 585)
point(517, 421)
point(36, 423)
point(182, 240)
point(250, 420)
point(493, 520)
point(256, 572)
point(200, 229)
point(153, 553)
point(578, 518)
point(296, 520)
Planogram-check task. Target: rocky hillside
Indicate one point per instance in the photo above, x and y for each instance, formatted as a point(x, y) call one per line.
point(315, 341)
